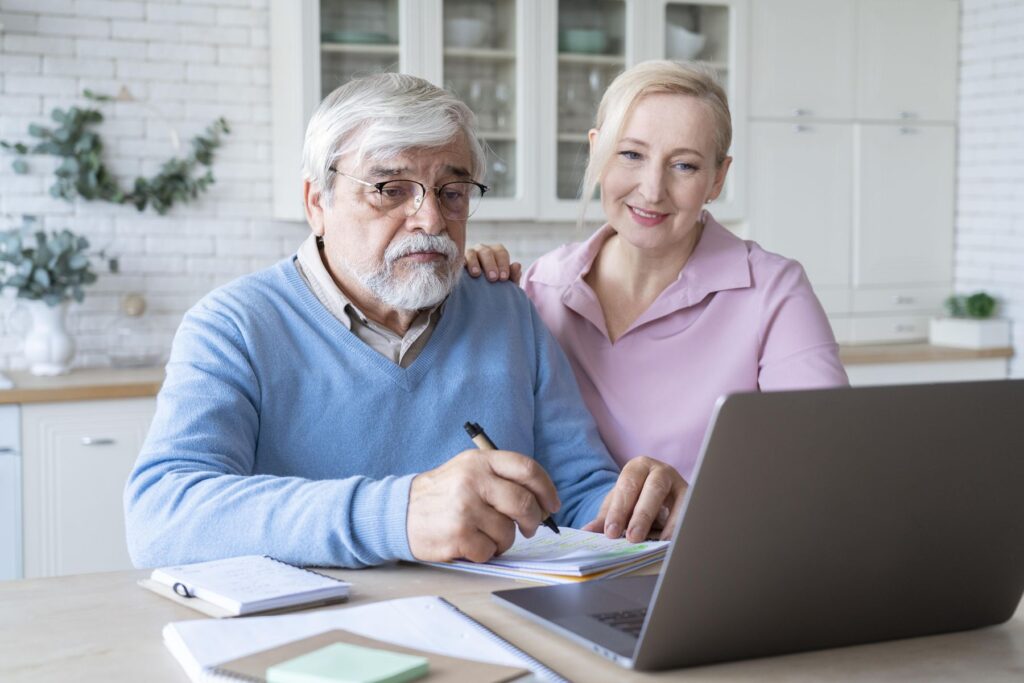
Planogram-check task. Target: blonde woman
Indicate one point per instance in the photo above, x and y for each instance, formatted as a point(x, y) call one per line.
point(663, 310)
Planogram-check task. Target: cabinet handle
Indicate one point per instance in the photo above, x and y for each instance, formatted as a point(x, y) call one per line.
point(801, 128)
point(801, 112)
point(907, 115)
point(907, 130)
point(906, 327)
point(902, 299)
point(97, 441)
point(6, 450)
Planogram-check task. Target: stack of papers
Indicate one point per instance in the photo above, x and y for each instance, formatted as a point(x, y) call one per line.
point(568, 557)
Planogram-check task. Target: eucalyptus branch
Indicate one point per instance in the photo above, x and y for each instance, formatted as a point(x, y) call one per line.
point(82, 172)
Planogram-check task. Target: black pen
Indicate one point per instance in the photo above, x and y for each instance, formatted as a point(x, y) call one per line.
point(484, 443)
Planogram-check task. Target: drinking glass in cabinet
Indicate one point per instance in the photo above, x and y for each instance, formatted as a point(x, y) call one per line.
point(480, 67)
point(357, 37)
point(590, 54)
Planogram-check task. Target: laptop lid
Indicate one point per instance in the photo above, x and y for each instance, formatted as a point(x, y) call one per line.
point(825, 518)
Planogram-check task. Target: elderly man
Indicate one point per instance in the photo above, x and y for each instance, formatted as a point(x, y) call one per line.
point(313, 411)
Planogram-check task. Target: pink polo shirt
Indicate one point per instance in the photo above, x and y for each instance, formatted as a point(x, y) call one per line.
point(738, 318)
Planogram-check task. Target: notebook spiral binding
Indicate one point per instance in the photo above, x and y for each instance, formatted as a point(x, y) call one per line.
point(305, 569)
point(538, 667)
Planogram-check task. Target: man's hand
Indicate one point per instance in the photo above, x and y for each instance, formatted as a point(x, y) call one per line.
point(469, 506)
point(646, 499)
point(493, 260)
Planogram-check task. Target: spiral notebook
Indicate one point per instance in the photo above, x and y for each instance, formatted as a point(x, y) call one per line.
point(208, 648)
point(249, 584)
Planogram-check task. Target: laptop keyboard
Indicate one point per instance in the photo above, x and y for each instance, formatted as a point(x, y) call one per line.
point(630, 621)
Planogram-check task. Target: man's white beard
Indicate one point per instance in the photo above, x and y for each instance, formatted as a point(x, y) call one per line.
point(425, 285)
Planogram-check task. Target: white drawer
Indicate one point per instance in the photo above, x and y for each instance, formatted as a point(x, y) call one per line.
point(896, 299)
point(890, 328)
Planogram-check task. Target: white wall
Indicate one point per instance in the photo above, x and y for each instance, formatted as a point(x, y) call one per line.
point(190, 61)
point(990, 196)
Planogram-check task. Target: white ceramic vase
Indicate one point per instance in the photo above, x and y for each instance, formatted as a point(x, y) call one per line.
point(48, 346)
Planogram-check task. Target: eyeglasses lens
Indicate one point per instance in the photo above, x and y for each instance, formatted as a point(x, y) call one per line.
point(458, 200)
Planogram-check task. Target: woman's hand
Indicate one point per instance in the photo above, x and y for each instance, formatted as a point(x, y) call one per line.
point(492, 259)
point(644, 503)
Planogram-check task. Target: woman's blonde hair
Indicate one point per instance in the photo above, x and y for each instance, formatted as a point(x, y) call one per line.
point(648, 78)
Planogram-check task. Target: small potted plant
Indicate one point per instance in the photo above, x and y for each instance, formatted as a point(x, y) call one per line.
point(47, 270)
point(970, 324)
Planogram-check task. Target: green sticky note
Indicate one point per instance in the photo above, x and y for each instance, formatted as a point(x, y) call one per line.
point(344, 663)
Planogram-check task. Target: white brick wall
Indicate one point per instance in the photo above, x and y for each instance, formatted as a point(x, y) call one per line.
point(188, 61)
point(990, 194)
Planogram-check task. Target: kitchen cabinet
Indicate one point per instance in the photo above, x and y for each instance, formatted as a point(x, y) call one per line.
point(532, 71)
point(10, 492)
point(801, 200)
point(77, 458)
point(802, 59)
point(853, 155)
point(907, 59)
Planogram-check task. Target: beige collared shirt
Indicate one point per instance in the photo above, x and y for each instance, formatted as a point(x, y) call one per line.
point(400, 349)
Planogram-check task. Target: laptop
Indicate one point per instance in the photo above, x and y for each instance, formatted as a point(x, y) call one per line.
point(823, 518)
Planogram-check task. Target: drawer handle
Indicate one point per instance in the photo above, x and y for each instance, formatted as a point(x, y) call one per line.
point(902, 299)
point(906, 327)
point(97, 441)
point(801, 128)
point(907, 115)
point(801, 112)
point(6, 450)
point(907, 130)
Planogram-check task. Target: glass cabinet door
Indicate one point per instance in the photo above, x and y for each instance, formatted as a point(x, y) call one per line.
point(480, 66)
point(698, 31)
point(591, 52)
point(357, 38)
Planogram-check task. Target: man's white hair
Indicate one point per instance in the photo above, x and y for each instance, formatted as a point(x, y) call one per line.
point(380, 117)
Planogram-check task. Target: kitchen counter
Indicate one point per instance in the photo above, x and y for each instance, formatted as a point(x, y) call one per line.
point(871, 354)
point(84, 385)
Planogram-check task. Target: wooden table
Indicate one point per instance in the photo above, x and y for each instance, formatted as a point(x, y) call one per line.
point(102, 627)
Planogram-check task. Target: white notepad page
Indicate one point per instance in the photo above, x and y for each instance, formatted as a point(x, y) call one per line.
point(424, 623)
point(572, 552)
point(251, 583)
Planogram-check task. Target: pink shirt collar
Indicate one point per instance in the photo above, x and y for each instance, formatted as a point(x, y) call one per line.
point(719, 262)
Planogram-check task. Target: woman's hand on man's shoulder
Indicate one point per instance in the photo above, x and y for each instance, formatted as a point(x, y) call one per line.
point(493, 261)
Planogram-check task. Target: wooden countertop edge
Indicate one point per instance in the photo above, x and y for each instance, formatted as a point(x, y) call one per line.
point(916, 353)
point(81, 393)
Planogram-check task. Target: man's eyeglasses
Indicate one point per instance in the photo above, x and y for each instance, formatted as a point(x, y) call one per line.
point(458, 199)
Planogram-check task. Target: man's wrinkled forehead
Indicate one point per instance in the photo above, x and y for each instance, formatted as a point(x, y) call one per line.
point(386, 170)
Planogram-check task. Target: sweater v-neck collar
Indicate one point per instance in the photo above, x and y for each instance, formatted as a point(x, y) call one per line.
point(406, 378)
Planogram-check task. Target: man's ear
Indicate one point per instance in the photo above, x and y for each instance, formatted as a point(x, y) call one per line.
point(311, 199)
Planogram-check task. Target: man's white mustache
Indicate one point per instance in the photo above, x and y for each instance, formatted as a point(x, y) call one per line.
point(419, 243)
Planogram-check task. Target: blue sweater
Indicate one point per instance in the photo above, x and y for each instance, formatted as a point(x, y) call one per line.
point(277, 431)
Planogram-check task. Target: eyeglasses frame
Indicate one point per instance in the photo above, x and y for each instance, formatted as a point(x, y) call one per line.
point(379, 187)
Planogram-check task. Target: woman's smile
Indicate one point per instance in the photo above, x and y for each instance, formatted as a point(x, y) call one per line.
point(646, 218)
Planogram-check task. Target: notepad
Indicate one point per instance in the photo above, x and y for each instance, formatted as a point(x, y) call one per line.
point(442, 668)
point(243, 585)
point(346, 663)
point(426, 623)
point(571, 556)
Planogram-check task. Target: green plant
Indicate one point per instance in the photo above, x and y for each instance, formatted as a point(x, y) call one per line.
point(82, 172)
point(977, 305)
point(53, 267)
